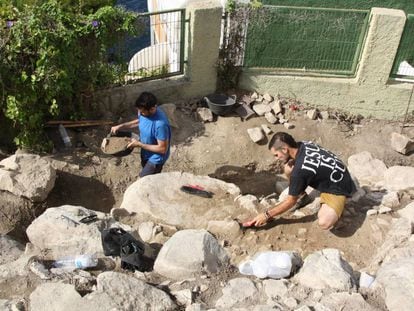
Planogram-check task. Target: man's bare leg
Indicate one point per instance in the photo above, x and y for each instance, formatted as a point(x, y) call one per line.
point(327, 217)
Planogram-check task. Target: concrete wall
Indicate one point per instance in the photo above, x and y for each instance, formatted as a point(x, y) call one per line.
point(200, 78)
point(370, 93)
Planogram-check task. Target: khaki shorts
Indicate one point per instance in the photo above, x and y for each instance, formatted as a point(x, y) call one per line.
point(336, 202)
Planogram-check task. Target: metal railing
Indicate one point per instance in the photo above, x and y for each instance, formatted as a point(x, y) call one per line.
point(159, 51)
point(304, 39)
point(403, 68)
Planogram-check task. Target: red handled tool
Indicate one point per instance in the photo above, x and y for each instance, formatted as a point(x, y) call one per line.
point(196, 190)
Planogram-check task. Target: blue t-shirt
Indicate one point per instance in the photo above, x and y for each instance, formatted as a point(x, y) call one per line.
point(151, 129)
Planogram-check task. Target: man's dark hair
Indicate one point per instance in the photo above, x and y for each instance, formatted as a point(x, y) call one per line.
point(146, 101)
point(282, 138)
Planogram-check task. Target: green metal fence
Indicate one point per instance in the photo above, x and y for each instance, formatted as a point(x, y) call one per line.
point(403, 67)
point(163, 55)
point(305, 39)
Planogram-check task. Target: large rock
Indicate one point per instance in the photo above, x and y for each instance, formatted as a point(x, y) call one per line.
point(239, 292)
point(169, 205)
point(408, 212)
point(190, 252)
point(367, 170)
point(396, 279)
point(14, 275)
point(275, 289)
point(27, 175)
point(15, 212)
point(399, 178)
point(59, 297)
point(130, 293)
point(397, 237)
point(11, 305)
point(10, 249)
point(345, 302)
point(53, 230)
point(326, 269)
point(115, 291)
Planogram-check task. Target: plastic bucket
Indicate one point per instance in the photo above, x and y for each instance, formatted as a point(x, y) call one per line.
point(220, 104)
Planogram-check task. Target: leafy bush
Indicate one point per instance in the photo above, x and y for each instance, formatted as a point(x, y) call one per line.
point(52, 59)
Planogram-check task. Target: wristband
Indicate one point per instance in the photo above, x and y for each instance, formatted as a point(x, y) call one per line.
point(267, 215)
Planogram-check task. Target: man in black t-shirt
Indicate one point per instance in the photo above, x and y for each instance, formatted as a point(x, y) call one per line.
point(308, 164)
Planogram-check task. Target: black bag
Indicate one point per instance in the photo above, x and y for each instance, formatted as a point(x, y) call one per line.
point(135, 254)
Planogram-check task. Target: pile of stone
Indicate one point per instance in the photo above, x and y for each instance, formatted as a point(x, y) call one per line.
point(276, 111)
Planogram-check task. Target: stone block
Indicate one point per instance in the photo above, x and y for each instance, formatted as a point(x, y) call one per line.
point(402, 143)
point(277, 107)
point(266, 129)
point(288, 125)
point(256, 134)
point(268, 97)
point(312, 114)
point(271, 118)
point(261, 109)
point(205, 114)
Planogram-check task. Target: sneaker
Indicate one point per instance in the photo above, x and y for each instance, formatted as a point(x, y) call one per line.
point(303, 200)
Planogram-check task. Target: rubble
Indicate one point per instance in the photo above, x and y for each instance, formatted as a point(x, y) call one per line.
point(271, 118)
point(266, 129)
point(268, 97)
point(312, 114)
point(262, 109)
point(402, 143)
point(277, 107)
point(288, 125)
point(205, 114)
point(255, 134)
point(239, 292)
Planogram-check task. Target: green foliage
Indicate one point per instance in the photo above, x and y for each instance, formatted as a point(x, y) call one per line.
point(149, 73)
point(230, 5)
point(52, 59)
point(80, 6)
point(256, 4)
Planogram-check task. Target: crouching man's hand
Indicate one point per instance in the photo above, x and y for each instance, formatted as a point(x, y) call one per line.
point(258, 221)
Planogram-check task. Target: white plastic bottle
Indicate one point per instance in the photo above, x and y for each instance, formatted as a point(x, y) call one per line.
point(76, 262)
point(65, 136)
point(275, 265)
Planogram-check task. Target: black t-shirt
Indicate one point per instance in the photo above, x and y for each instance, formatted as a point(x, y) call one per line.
point(320, 169)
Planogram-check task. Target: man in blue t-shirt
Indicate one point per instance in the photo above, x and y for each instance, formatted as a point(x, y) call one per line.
point(154, 134)
point(308, 164)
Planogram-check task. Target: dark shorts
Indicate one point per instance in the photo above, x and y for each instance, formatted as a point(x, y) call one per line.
point(149, 168)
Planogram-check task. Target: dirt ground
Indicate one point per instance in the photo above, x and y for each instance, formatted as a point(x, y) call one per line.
point(223, 149)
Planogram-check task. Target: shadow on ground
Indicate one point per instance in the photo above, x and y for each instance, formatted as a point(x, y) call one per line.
point(77, 190)
point(249, 181)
